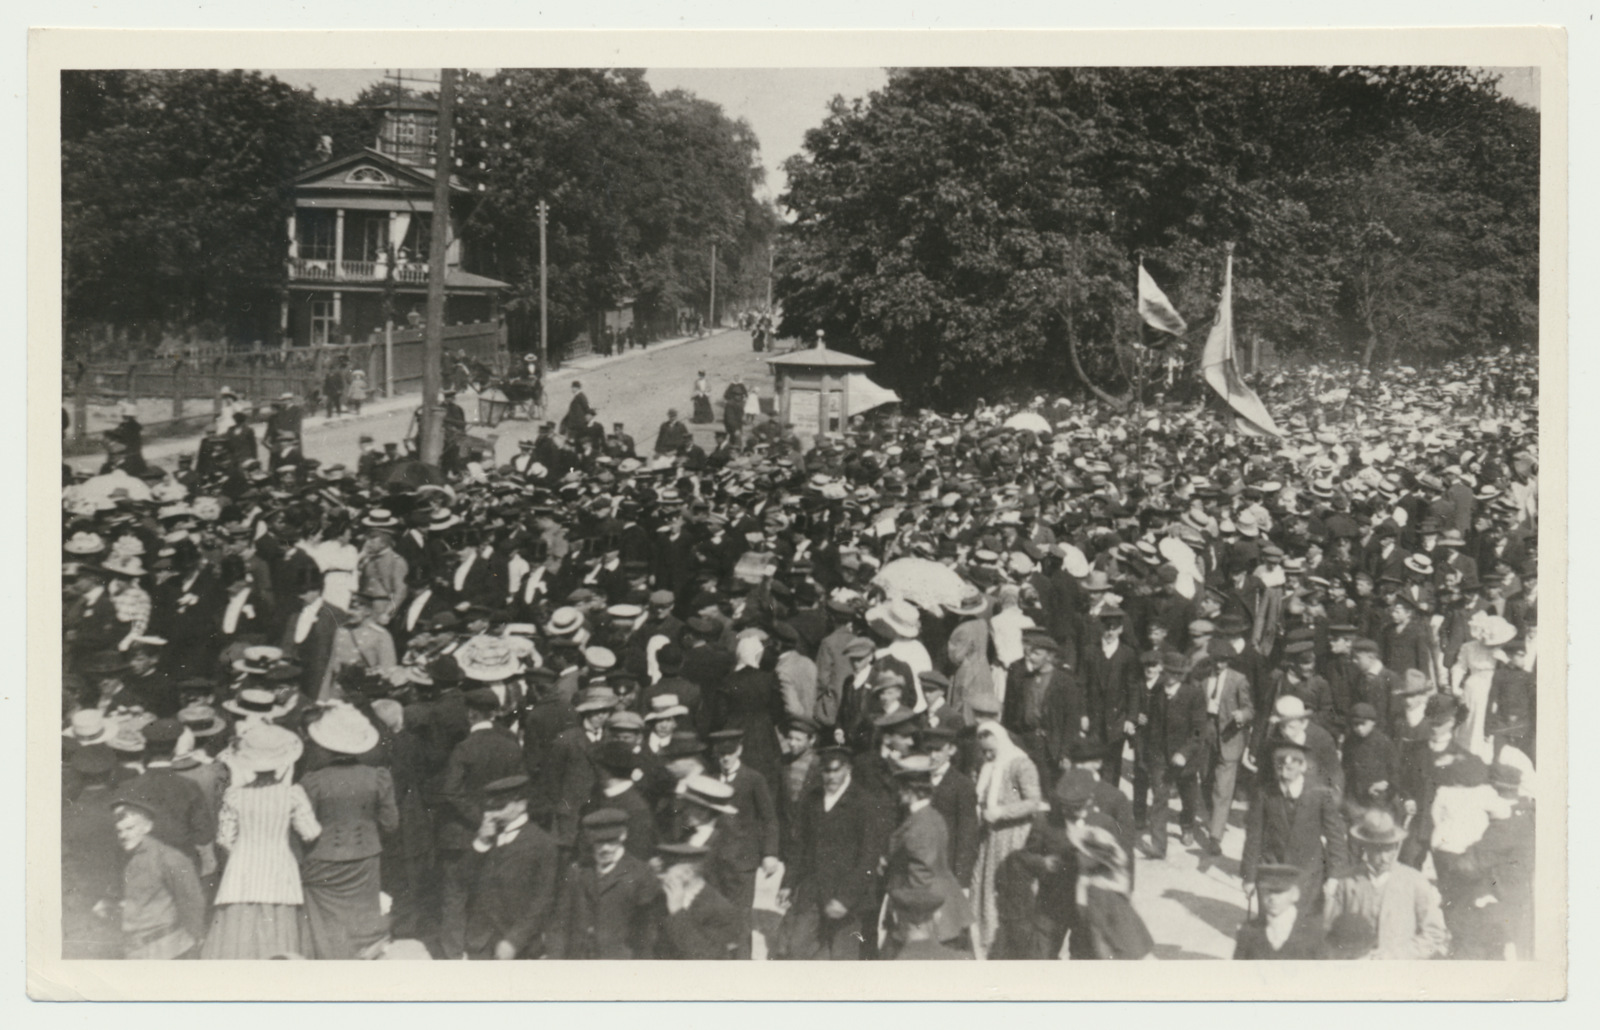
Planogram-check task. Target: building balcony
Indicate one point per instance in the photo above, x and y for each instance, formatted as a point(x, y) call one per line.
point(328, 270)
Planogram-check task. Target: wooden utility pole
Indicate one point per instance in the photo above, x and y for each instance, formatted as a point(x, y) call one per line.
point(770, 252)
point(711, 313)
point(432, 442)
point(544, 286)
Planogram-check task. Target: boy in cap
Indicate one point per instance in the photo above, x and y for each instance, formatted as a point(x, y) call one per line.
point(163, 907)
point(618, 793)
point(1371, 763)
point(609, 898)
point(513, 877)
point(1281, 931)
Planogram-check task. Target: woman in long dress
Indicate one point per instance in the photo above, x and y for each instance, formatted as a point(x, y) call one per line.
point(1473, 675)
point(259, 912)
point(1008, 797)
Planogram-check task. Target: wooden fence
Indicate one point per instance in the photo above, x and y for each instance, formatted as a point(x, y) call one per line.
point(194, 386)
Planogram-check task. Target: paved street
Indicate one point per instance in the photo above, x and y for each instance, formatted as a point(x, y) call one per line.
point(635, 388)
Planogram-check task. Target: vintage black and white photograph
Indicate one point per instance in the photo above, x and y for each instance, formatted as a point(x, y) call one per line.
point(1007, 513)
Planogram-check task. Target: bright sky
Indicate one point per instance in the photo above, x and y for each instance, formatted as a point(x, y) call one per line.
point(779, 103)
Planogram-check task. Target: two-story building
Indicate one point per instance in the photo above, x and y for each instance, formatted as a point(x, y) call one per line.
point(361, 224)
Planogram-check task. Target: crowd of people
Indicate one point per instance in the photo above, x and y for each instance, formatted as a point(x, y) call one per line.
point(936, 687)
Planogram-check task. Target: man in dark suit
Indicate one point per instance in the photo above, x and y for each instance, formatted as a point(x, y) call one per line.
point(609, 900)
point(695, 921)
point(753, 828)
point(568, 773)
point(955, 797)
point(513, 877)
point(618, 793)
point(915, 912)
point(490, 753)
point(1112, 684)
point(183, 817)
point(1174, 729)
point(309, 637)
point(1292, 821)
point(832, 876)
point(919, 851)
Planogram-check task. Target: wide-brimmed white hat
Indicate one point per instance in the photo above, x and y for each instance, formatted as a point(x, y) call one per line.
point(898, 616)
point(344, 730)
point(263, 747)
point(564, 622)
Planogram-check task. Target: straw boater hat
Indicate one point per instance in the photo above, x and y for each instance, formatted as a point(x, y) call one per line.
point(254, 702)
point(487, 659)
point(380, 518)
point(202, 720)
point(89, 726)
point(263, 747)
point(665, 706)
point(973, 603)
point(344, 730)
point(595, 699)
point(898, 617)
point(564, 622)
point(709, 793)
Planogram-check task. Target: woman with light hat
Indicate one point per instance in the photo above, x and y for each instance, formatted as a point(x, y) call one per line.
point(259, 905)
point(355, 803)
point(1472, 676)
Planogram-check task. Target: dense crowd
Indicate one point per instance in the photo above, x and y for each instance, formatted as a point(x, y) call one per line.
point(937, 686)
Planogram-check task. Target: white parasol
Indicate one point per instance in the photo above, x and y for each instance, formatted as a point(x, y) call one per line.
point(926, 584)
point(1029, 420)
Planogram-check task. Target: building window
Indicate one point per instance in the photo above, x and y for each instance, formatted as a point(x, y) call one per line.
point(368, 174)
point(365, 237)
point(315, 229)
point(323, 327)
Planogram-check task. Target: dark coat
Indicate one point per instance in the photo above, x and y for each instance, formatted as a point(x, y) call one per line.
point(1176, 726)
point(1308, 833)
point(752, 701)
point(356, 806)
point(569, 779)
point(513, 894)
point(710, 928)
point(485, 756)
point(1112, 688)
point(608, 917)
point(956, 798)
point(316, 650)
point(837, 852)
point(756, 824)
point(919, 856)
point(1369, 760)
point(641, 841)
point(184, 818)
point(1305, 942)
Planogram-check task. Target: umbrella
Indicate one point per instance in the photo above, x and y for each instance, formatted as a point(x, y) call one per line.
point(926, 584)
point(1029, 420)
point(101, 489)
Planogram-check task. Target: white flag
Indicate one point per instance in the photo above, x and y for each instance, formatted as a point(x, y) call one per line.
point(1156, 309)
point(1220, 368)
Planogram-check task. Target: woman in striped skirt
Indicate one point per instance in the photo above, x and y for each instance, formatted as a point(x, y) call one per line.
point(259, 912)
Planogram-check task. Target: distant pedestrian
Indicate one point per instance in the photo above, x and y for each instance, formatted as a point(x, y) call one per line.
point(333, 387)
point(357, 391)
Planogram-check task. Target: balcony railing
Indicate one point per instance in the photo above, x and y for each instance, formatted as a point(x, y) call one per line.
point(327, 270)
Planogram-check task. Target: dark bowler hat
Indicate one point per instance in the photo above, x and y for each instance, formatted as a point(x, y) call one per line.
point(482, 700)
point(607, 824)
point(725, 741)
point(1272, 877)
point(1173, 662)
point(1363, 711)
point(896, 721)
point(936, 735)
point(616, 757)
point(683, 745)
point(1232, 625)
point(507, 788)
point(829, 752)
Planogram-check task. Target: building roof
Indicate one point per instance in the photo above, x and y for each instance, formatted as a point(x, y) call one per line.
point(820, 357)
point(416, 175)
point(456, 279)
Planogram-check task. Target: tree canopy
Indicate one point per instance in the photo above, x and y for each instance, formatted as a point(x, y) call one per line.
point(959, 224)
point(175, 192)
